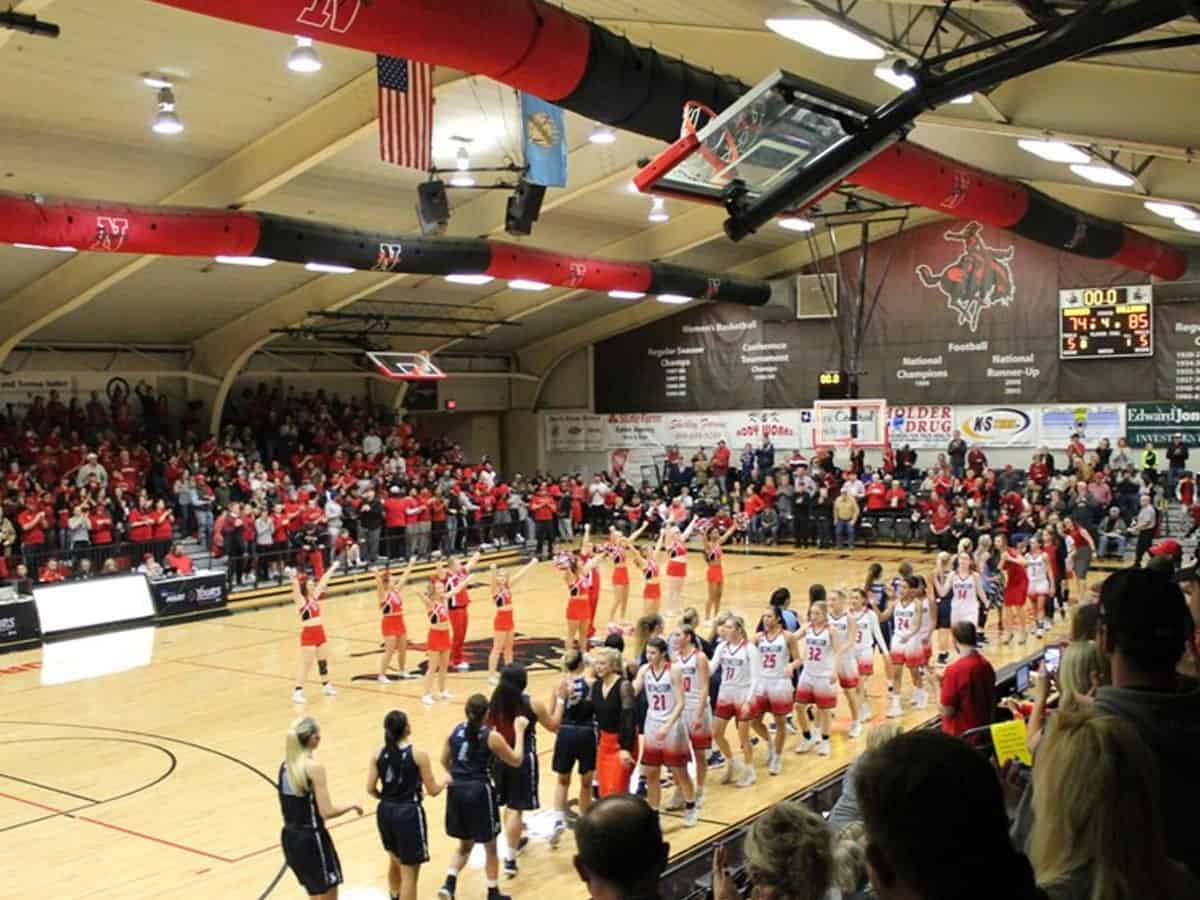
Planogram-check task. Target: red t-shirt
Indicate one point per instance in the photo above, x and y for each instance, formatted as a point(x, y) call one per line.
point(164, 525)
point(394, 509)
point(141, 526)
point(969, 685)
point(876, 496)
point(101, 528)
point(182, 564)
point(29, 535)
point(896, 497)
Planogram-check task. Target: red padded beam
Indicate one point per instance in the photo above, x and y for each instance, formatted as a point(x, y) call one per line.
point(515, 261)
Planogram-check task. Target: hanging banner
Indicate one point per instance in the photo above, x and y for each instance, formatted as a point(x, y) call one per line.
point(922, 425)
point(574, 433)
point(997, 426)
point(1156, 422)
point(1056, 424)
point(1177, 351)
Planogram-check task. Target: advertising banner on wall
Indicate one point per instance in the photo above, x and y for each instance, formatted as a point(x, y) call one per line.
point(921, 425)
point(1056, 424)
point(997, 426)
point(633, 431)
point(787, 428)
point(19, 389)
point(695, 429)
point(574, 433)
point(1156, 422)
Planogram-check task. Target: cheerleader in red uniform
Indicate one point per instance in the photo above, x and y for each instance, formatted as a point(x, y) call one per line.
point(307, 596)
point(676, 543)
point(617, 550)
point(714, 542)
point(651, 566)
point(437, 645)
point(586, 551)
point(502, 625)
point(395, 635)
point(578, 577)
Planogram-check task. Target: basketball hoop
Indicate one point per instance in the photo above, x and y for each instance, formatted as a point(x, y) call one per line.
point(696, 117)
point(405, 366)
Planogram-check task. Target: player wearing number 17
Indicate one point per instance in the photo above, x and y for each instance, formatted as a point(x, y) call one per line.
point(665, 740)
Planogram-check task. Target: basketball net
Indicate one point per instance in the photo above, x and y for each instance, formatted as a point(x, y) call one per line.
point(695, 116)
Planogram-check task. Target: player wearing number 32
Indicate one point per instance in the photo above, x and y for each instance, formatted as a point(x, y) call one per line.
point(818, 680)
point(665, 740)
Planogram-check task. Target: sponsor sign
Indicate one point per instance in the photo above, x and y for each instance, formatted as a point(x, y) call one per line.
point(997, 426)
point(574, 433)
point(785, 427)
point(1057, 423)
point(19, 622)
point(189, 594)
point(19, 389)
point(1156, 422)
point(921, 425)
point(632, 431)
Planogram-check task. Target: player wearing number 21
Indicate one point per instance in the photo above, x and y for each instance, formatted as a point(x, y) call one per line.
point(665, 739)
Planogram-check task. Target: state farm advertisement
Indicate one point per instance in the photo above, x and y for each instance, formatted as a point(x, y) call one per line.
point(630, 431)
point(927, 425)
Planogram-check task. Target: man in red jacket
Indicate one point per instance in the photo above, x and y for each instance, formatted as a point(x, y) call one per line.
point(541, 508)
point(395, 517)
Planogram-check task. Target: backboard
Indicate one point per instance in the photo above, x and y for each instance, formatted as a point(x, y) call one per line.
point(405, 366)
point(850, 424)
point(768, 135)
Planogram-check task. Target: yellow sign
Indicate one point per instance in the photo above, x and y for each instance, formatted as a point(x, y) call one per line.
point(1009, 741)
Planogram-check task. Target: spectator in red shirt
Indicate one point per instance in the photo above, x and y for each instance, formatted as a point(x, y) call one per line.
point(179, 561)
point(542, 508)
point(163, 528)
point(968, 687)
point(897, 497)
point(32, 523)
point(395, 518)
point(940, 519)
point(718, 463)
point(976, 460)
point(51, 573)
point(876, 496)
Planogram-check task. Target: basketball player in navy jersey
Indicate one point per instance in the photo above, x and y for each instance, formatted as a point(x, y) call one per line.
point(575, 743)
point(395, 776)
point(305, 802)
point(472, 804)
point(517, 785)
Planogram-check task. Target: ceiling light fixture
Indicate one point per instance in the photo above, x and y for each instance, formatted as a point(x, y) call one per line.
point(166, 120)
point(1188, 224)
point(626, 295)
point(825, 37)
point(526, 284)
point(658, 211)
point(1170, 210)
point(462, 180)
point(888, 71)
point(673, 298)
point(304, 58)
point(963, 100)
point(462, 160)
point(1054, 151)
point(469, 279)
point(156, 81)
point(328, 268)
point(796, 223)
point(1101, 174)
point(602, 134)
point(62, 249)
point(254, 262)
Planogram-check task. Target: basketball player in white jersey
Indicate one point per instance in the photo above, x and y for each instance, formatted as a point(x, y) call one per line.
point(928, 622)
point(664, 740)
point(908, 650)
point(697, 715)
point(967, 594)
point(1037, 571)
point(739, 662)
point(818, 678)
point(845, 628)
point(777, 648)
point(867, 634)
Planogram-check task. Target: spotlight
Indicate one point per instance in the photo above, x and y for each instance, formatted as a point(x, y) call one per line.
point(433, 210)
point(524, 207)
point(602, 134)
point(166, 120)
point(658, 211)
point(303, 57)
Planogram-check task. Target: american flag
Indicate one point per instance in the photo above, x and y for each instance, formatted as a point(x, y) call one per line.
point(405, 112)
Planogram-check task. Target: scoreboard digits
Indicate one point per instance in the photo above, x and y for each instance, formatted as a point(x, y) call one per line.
point(1106, 322)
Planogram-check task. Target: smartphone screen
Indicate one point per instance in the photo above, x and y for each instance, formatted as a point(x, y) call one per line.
point(1051, 659)
point(1022, 679)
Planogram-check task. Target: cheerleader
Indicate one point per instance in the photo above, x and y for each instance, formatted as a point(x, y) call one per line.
point(967, 595)
point(1016, 586)
point(458, 599)
point(575, 741)
point(1037, 571)
point(472, 810)
point(578, 577)
point(396, 774)
point(714, 542)
point(738, 662)
point(586, 551)
point(677, 551)
point(437, 644)
point(777, 648)
point(818, 678)
point(305, 803)
point(308, 596)
point(665, 740)
point(395, 635)
point(617, 550)
point(845, 632)
point(907, 651)
point(503, 627)
point(651, 566)
point(867, 635)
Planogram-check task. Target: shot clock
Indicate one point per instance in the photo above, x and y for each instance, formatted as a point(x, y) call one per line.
point(833, 384)
point(1106, 322)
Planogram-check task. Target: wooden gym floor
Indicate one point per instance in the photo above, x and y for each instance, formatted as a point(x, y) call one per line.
point(141, 764)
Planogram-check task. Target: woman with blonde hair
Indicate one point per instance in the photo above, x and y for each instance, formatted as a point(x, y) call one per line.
point(1082, 669)
point(789, 856)
point(305, 802)
point(1098, 829)
point(846, 812)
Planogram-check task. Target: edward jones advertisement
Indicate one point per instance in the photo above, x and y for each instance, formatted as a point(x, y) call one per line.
point(996, 426)
point(1156, 422)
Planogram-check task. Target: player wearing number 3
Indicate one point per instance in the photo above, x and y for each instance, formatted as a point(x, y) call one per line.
point(665, 740)
point(818, 678)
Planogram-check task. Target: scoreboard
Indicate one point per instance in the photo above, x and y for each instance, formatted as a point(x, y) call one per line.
point(1105, 322)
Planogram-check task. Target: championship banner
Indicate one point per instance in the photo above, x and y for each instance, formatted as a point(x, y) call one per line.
point(574, 433)
point(997, 426)
point(1177, 352)
point(921, 426)
point(1154, 423)
point(1056, 424)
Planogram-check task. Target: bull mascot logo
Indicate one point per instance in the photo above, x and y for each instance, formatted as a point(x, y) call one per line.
point(980, 278)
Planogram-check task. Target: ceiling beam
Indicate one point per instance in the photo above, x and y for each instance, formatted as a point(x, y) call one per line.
point(288, 151)
point(25, 7)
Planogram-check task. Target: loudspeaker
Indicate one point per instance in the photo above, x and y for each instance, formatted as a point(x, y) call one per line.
point(433, 209)
point(524, 207)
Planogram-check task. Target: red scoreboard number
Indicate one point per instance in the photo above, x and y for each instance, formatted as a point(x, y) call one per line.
point(1095, 323)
